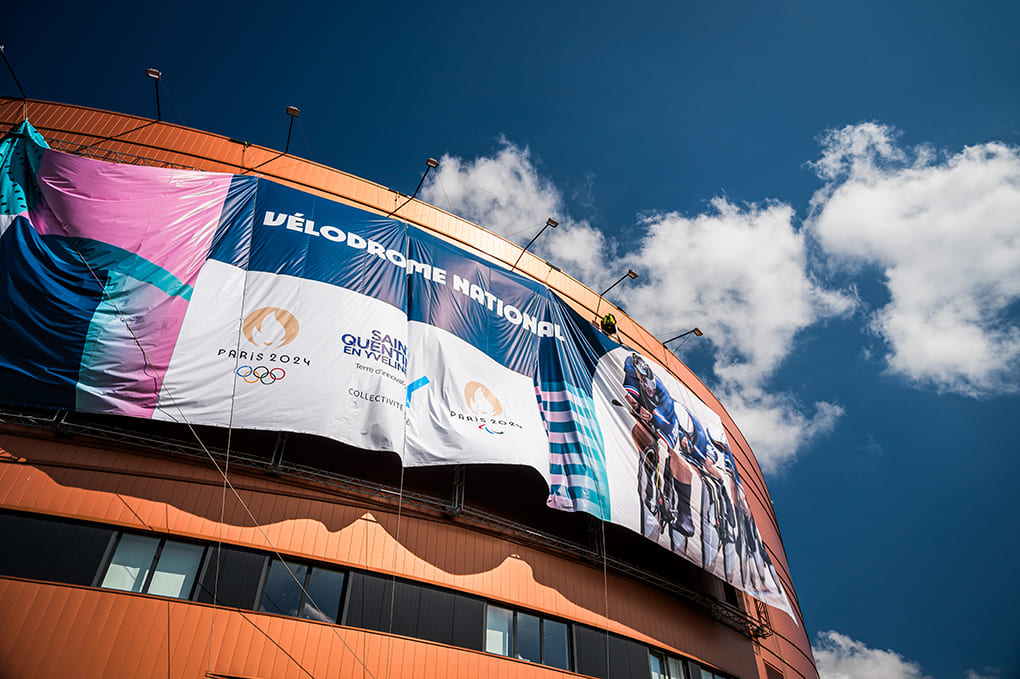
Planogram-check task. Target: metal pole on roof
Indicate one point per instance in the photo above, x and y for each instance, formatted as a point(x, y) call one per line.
point(430, 164)
point(155, 74)
point(10, 68)
point(293, 112)
point(549, 222)
point(630, 274)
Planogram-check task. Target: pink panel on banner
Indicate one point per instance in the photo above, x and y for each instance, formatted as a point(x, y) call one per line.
point(166, 216)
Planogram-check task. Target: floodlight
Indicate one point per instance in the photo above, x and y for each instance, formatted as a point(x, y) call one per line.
point(630, 274)
point(549, 222)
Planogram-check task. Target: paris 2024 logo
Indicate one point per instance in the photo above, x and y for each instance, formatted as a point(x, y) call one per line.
point(268, 329)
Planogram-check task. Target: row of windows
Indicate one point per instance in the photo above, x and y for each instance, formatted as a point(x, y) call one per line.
point(83, 554)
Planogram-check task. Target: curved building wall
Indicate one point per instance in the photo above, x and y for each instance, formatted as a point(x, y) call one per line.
point(124, 488)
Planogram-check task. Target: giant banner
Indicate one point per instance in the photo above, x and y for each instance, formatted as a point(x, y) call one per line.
point(233, 301)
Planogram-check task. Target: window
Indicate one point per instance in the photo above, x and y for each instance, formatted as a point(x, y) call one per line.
point(409, 609)
point(527, 637)
point(286, 587)
point(665, 667)
point(499, 630)
point(153, 566)
point(698, 672)
point(627, 659)
point(676, 668)
point(176, 569)
point(48, 549)
point(239, 572)
point(451, 618)
point(556, 644)
point(282, 593)
point(590, 651)
point(129, 569)
point(325, 587)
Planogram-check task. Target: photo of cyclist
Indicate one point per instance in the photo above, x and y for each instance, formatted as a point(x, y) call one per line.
point(697, 447)
point(665, 494)
point(737, 514)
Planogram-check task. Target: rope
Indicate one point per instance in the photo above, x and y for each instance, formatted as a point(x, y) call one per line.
point(302, 128)
point(226, 463)
point(605, 565)
point(393, 569)
point(172, 102)
point(449, 203)
point(400, 495)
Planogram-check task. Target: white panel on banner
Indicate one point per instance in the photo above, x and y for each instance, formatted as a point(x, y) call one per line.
point(467, 408)
point(301, 356)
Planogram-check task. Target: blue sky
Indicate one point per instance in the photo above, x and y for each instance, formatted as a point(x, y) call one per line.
point(831, 192)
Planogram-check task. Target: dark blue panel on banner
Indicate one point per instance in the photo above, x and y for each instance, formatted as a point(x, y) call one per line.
point(501, 313)
point(301, 235)
point(231, 243)
point(49, 299)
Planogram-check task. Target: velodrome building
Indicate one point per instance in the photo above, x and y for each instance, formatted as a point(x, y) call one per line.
point(262, 418)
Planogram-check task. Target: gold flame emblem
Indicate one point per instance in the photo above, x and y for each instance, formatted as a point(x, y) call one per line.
point(481, 401)
point(270, 327)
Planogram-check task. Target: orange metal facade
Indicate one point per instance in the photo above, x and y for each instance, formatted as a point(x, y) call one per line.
point(61, 630)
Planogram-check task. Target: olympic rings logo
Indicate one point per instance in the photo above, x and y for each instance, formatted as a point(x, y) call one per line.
point(260, 374)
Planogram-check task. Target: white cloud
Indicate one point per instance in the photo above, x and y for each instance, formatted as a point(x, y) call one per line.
point(504, 192)
point(738, 272)
point(985, 673)
point(579, 249)
point(507, 195)
point(840, 657)
point(945, 233)
point(775, 423)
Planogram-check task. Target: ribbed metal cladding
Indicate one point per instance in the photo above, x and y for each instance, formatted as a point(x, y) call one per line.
point(182, 499)
point(60, 631)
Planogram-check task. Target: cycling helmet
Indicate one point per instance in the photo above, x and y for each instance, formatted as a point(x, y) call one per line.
point(644, 372)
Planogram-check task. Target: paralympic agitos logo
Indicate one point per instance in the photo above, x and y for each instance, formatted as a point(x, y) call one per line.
point(268, 329)
point(485, 408)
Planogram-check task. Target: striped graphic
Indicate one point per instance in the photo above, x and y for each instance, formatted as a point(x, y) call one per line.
point(576, 450)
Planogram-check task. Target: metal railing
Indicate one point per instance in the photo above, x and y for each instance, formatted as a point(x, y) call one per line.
point(94, 150)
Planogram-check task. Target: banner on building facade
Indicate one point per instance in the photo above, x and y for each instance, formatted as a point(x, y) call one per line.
point(233, 301)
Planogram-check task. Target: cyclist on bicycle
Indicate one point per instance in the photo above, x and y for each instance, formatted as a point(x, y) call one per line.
point(652, 404)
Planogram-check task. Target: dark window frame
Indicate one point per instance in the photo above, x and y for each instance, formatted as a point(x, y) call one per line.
point(515, 636)
point(305, 596)
point(667, 659)
point(111, 551)
point(212, 552)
